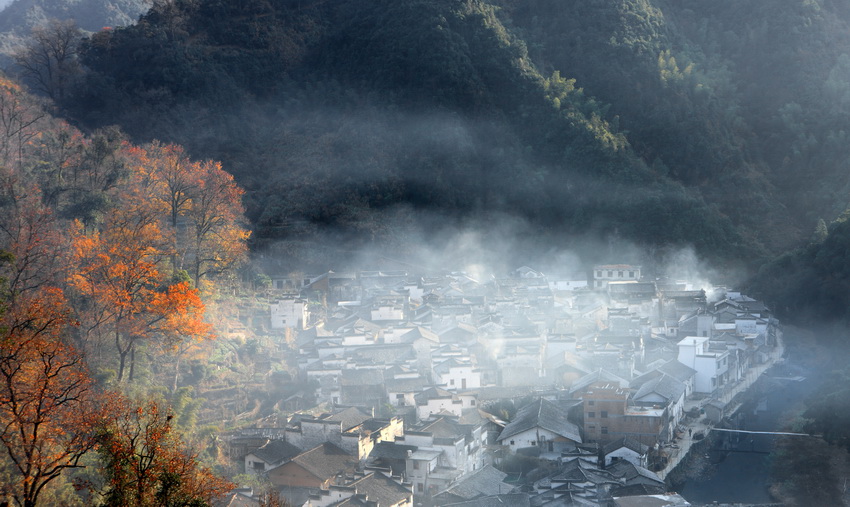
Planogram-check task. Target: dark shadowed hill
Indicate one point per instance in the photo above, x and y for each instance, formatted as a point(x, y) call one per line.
point(720, 125)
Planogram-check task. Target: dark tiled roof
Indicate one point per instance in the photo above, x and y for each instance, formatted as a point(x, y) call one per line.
point(349, 418)
point(626, 442)
point(665, 386)
point(391, 450)
point(382, 490)
point(486, 481)
point(544, 414)
point(512, 500)
point(633, 473)
point(677, 370)
point(433, 393)
point(326, 460)
point(277, 451)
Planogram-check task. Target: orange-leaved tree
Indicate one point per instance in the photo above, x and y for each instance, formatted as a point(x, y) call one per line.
point(201, 206)
point(121, 273)
point(49, 410)
point(146, 465)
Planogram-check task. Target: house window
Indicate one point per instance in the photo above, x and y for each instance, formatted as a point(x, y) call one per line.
point(534, 442)
point(603, 414)
point(420, 487)
point(259, 465)
point(416, 465)
point(472, 402)
point(452, 382)
point(512, 442)
point(591, 415)
point(610, 274)
point(599, 274)
point(619, 274)
point(605, 430)
point(631, 274)
point(591, 402)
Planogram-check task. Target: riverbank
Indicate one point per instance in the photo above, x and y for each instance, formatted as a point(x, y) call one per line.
point(697, 431)
point(811, 471)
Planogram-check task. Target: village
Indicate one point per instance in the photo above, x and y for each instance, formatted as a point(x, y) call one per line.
point(529, 389)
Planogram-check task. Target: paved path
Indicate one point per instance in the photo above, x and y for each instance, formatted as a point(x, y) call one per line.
point(729, 393)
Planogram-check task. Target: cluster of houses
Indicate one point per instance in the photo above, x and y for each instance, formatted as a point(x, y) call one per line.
point(438, 390)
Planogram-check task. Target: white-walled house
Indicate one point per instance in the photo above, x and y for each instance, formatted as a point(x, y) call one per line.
point(541, 424)
point(434, 400)
point(289, 313)
point(602, 274)
point(273, 454)
point(625, 449)
point(454, 374)
point(711, 365)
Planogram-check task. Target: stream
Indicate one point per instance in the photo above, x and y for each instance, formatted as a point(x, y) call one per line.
point(738, 468)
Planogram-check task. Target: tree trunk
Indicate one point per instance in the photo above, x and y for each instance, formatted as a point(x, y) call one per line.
point(122, 356)
point(132, 362)
point(176, 373)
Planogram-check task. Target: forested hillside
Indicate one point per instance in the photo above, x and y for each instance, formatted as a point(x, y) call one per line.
point(19, 17)
point(720, 125)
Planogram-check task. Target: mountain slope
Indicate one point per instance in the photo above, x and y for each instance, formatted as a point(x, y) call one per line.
point(363, 117)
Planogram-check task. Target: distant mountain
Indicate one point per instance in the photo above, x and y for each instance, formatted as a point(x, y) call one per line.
point(19, 17)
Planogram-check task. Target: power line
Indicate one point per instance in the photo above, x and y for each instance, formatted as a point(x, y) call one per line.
point(767, 433)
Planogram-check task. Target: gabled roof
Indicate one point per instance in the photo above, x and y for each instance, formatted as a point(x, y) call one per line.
point(348, 418)
point(325, 461)
point(484, 482)
point(276, 451)
point(631, 472)
point(600, 375)
point(433, 393)
point(419, 332)
point(578, 470)
point(391, 450)
point(237, 499)
point(510, 499)
point(664, 386)
point(381, 489)
point(628, 443)
point(678, 370)
point(544, 414)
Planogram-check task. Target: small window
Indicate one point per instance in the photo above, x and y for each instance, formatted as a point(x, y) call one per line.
point(512, 442)
point(610, 274)
point(631, 274)
point(591, 415)
point(420, 487)
point(603, 414)
point(619, 274)
point(605, 430)
point(472, 402)
point(591, 402)
point(599, 274)
point(534, 442)
point(416, 465)
point(452, 382)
